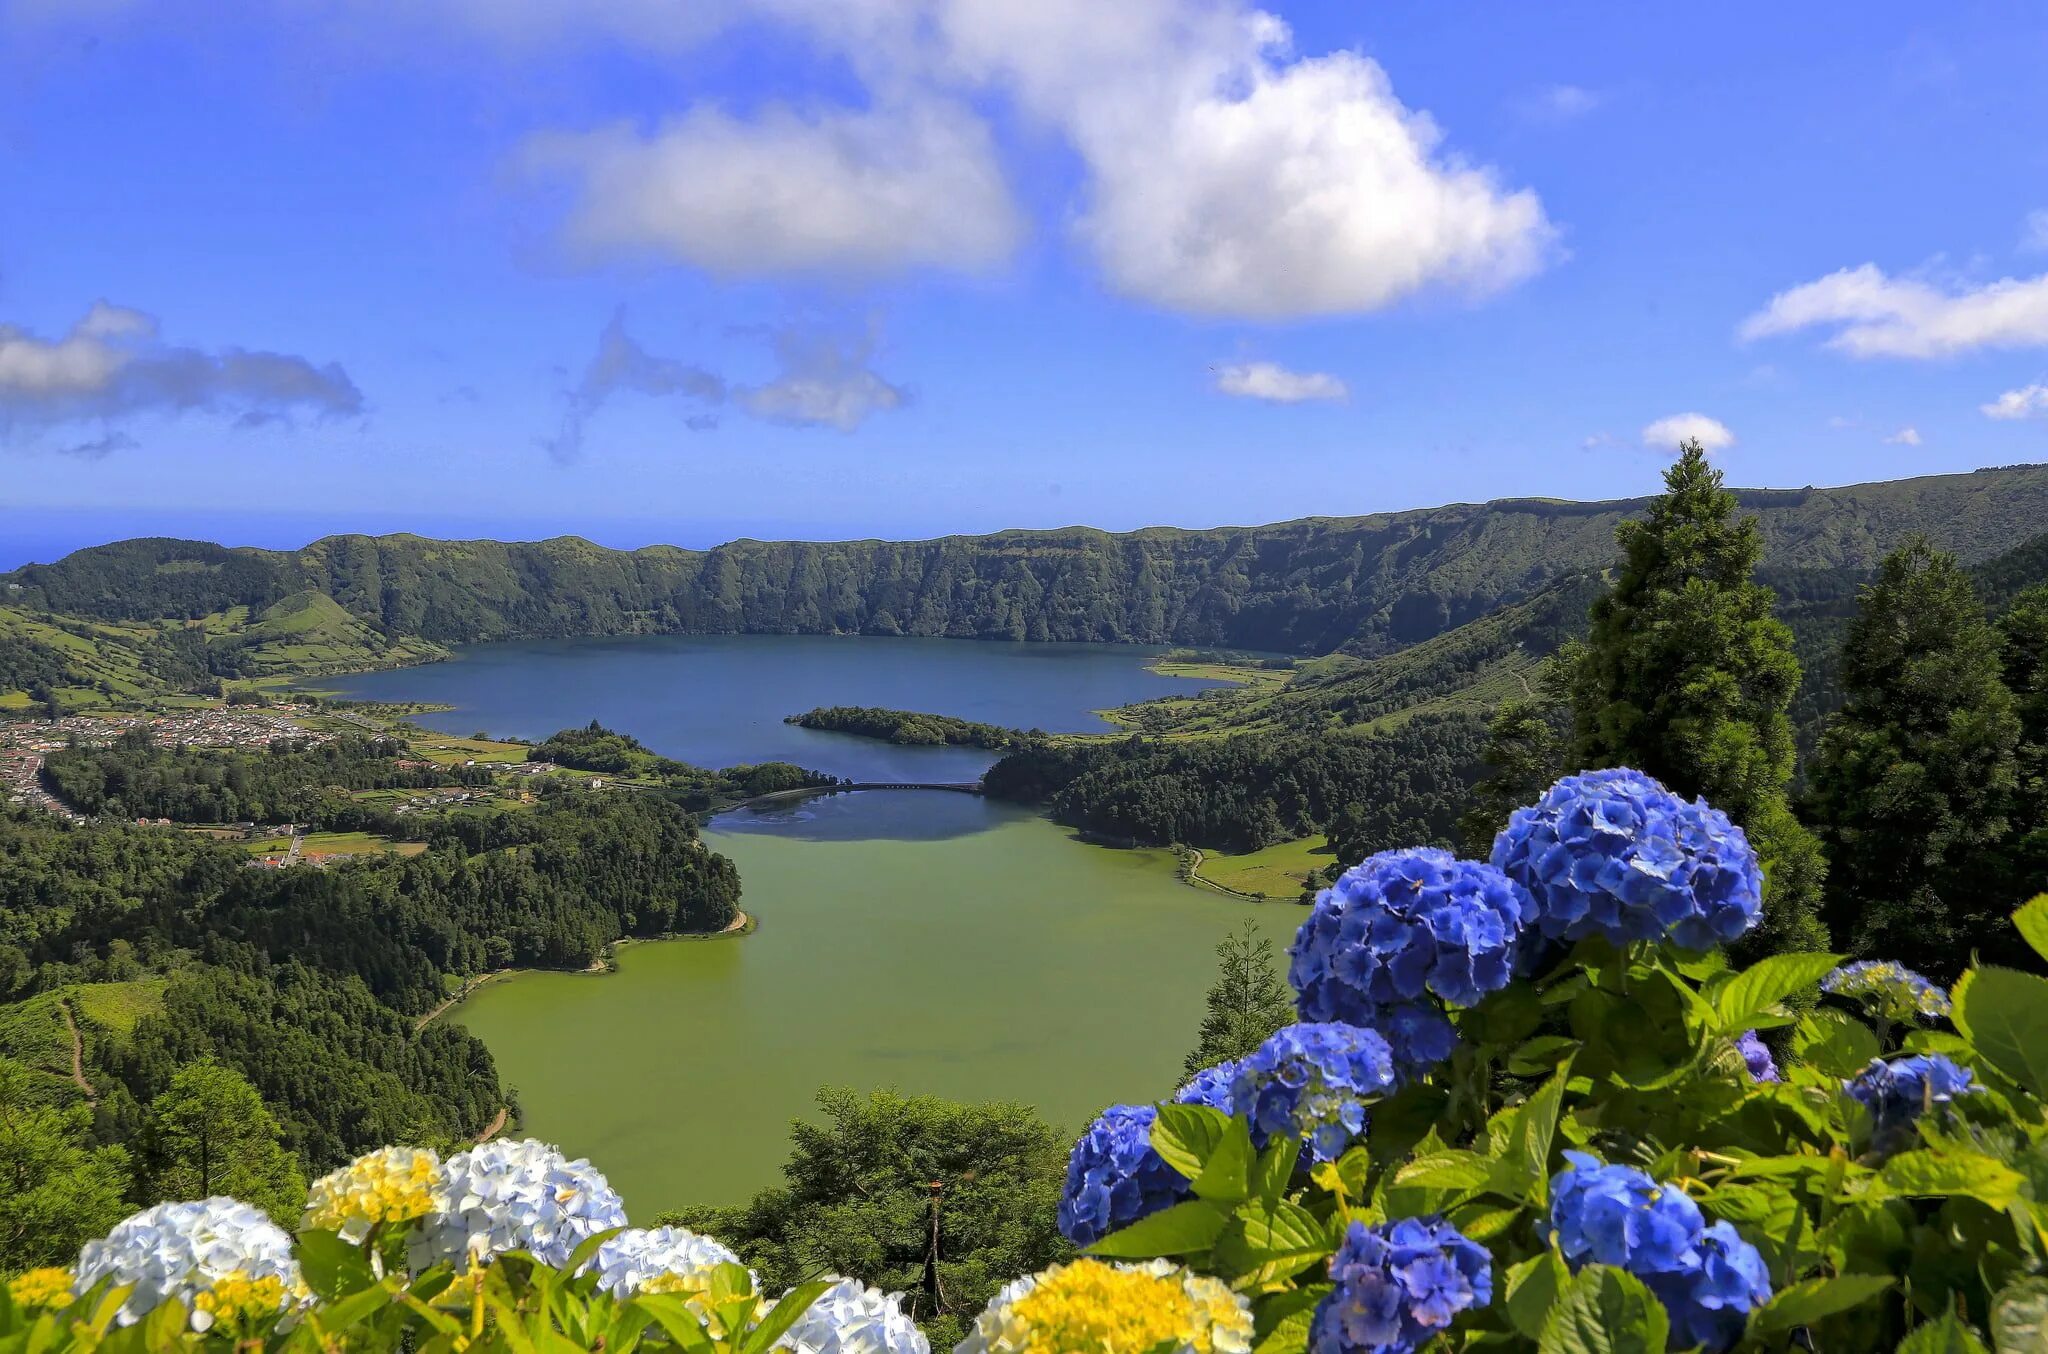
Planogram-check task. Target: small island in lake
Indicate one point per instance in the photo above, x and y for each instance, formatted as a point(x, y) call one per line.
point(912, 729)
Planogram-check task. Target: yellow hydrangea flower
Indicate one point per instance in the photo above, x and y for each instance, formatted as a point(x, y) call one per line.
point(235, 1296)
point(49, 1286)
point(389, 1185)
point(1089, 1307)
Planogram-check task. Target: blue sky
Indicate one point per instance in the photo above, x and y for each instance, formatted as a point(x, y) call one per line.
point(661, 270)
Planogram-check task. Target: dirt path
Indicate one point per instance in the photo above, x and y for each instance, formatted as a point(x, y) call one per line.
point(497, 1124)
point(77, 1053)
point(1196, 857)
point(446, 1002)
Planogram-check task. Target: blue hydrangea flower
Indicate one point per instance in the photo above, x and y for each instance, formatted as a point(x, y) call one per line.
point(1313, 1081)
point(1710, 1303)
point(1613, 853)
point(1210, 1086)
point(514, 1196)
point(180, 1250)
point(1399, 1286)
point(1762, 1067)
point(1889, 991)
point(1402, 932)
point(1898, 1092)
point(1114, 1177)
point(1616, 1215)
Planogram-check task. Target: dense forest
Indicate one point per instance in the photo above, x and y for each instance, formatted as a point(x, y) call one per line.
point(1361, 585)
point(599, 749)
point(186, 973)
point(911, 729)
point(1369, 792)
point(295, 781)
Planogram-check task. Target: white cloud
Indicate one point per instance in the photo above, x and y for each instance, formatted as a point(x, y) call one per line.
point(844, 191)
point(1842, 421)
point(1223, 175)
point(1275, 384)
point(2026, 402)
point(112, 363)
point(825, 381)
point(1874, 315)
point(2034, 233)
point(1908, 436)
point(1561, 103)
point(1667, 433)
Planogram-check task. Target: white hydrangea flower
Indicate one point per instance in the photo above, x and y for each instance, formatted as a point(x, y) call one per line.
point(182, 1249)
point(672, 1258)
point(514, 1196)
point(851, 1318)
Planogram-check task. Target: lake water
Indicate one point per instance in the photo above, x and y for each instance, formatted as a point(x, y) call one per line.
point(719, 700)
point(932, 942)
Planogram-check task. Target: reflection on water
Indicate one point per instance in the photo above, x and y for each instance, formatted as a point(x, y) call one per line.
point(894, 815)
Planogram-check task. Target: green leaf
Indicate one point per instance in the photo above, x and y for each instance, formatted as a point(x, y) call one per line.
point(1539, 1055)
point(1183, 1229)
point(1185, 1136)
point(1834, 1042)
point(1275, 1168)
point(2032, 919)
point(1533, 1286)
point(1523, 1171)
point(1605, 1311)
point(1272, 1241)
point(1281, 1322)
point(2019, 1314)
point(1929, 1173)
point(1452, 1169)
point(338, 1316)
point(1749, 999)
point(331, 1266)
point(1946, 1336)
point(783, 1315)
point(679, 1319)
point(2004, 1013)
point(1811, 1300)
point(1226, 1177)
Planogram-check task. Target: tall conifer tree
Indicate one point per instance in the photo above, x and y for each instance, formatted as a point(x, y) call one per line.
point(1687, 675)
point(1915, 776)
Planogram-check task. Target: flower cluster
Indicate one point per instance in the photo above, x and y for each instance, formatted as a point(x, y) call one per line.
point(658, 1260)
point(851, 1318)
point(1312, 1081)
point(1089, 1307)
point(49, 1286)
point(1709, 1303)
point(1398, 1286)
point(507, 1196)
point(1613, 853)
point(1708, 1278)
point(181, 1250)
point(1888, 991)
point(1114, 1177)
point(1401, 932)
point(1898, 1092)
point(1757, 1058)
point(389, 1185)
point(1210, 1086)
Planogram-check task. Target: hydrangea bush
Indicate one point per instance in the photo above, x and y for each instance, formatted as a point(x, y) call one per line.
point(1530, 1104)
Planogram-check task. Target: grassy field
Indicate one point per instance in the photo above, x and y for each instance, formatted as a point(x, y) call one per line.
point(117, 1006)
point(32, 1031)
point(449, 750)
point(1277, 871)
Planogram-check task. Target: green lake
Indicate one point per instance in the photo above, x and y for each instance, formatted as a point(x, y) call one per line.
point(925, 941)
point(1009, 962)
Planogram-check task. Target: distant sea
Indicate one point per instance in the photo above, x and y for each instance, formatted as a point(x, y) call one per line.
point(40, 535)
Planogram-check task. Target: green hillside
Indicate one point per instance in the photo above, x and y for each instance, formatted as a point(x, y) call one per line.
point(1365, 586)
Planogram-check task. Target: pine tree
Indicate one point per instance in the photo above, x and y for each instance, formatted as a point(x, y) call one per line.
point(1915, 775)
point(2023, 631)
point(1247, 1003)
point(1687, 675)
point(210, 1133)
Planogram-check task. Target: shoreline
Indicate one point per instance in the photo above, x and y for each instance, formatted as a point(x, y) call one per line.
point(744, 923)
